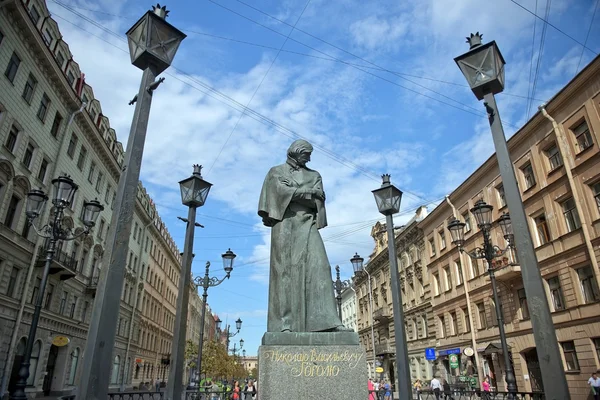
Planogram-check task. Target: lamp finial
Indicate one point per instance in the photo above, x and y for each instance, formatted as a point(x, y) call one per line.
point(385, 180)
point(198, 170)
point(162, 12)
point(474, 40)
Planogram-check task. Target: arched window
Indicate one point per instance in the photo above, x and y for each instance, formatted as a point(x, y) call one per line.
point(35, 358)
point(114, 378)
point(74, 363)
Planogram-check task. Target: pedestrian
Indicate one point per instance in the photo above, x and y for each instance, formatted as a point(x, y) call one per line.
point(214, 391)
point(447, 390)
point(236, 391)
point(417, 386)
point(157, 385)
point(250, 390)
point(387, 391)
point(371, 388)
point(486, 388)
point(436, 386)
point(594, 382)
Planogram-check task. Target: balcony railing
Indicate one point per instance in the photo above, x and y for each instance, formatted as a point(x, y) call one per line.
point(384, 347)
point(381, 314)
point(62, 264)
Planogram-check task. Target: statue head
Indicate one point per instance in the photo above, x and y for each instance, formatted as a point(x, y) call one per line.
point(300, 151)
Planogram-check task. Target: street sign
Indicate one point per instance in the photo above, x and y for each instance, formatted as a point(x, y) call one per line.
point(449, 351)
point(453, 358)
point(430, 353)
point(379, 370)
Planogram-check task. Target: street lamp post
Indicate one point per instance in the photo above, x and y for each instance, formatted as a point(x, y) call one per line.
point(238, 326)
point(194, 192)
point(388, 199)
point(357, 265)
point(153, 43)
point(339, 286)
point(205, 282)
point(54, 231)
point(483, 67)
point(483, 215)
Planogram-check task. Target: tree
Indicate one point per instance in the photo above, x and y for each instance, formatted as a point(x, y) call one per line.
point(254, 372)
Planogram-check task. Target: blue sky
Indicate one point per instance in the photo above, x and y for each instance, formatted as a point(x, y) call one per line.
point(372, 85)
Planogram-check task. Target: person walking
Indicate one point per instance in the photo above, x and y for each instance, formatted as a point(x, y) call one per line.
point(236, 391)
point(250, 390)
point(417, 386)
point(371, 388)
point(387, 395)
point(447, 390)
point(436, 386)
point(486, 388)
point(594, 383)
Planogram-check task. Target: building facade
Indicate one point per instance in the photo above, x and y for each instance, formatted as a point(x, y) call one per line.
point(349, 318)
point(51, 125)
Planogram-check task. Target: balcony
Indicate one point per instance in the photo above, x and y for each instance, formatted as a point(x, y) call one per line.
point(63, 265)
point(383, 348)
point(381, 314)
point(507, 271)
point(92, 285)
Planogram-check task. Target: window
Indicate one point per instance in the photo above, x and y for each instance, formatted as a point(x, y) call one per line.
point(81, 159)
point(114, 377)
point(35, 291)
point(556, 296)
point(107, 195)
point(432, 247)
point(554, 157)
point(571, 214)
point(12, 67)
point(436, 284)
point(528, 175)
point(12, 211)
point(597, 347)
point(48, 38)
point(524, 307)
point(91, 172)
point(43, 110)
point(70, 78)
point(29, 88)
point(447, 278)
point(442, 239)
point(63, 303)
point(454, 322)
point(60, 59)
point(11, 140)
point(28, 156)
point(73, 306)
point(135, 229)
point(35, 15)
point(596, 190)
point(467, 218)
point(12, 282)
point(582, 135)
point(101, 229)
point(589, 286)
point(99, 181)
point(481, 315)
point(1, 36)
point(72, 145)
point(43, 169)
point(86, 305)
point(467, 323)
point(56, 124)
point(74, 363)
point(501, 197)
point(570, 355)
point(442, 323)
point(459, 275)
point(48, 300)
point(541, 226)
point(33, 363)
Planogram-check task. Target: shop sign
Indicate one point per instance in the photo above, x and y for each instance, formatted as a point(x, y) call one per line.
point(60, 341)
point(453, 358)
point(449, 351)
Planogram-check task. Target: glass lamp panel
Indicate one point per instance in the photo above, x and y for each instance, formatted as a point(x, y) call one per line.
point(505, 224)
point(35, 203)
point(91, 211)
point(65, 189)
point(137, 38)
point(499, 66)
point(238, 324)
point(201, 189)
point(457, 231)
point(164, 39)
point(218, 323)
point(228, 258)
point(241, 343)
point(357, 262)
point(482, 213)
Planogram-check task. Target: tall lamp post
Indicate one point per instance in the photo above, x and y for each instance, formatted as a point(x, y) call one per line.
point(153, 43)
point(388, 199)
point(64, 190)
point(194, 192)
point(483, 215)
point(483, 67)
point(340, 285)
point(357, 265)
point(206, 282)
point(238, 326)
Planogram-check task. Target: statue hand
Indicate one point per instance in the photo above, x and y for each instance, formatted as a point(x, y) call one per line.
point(285, 181)
point(318, 193)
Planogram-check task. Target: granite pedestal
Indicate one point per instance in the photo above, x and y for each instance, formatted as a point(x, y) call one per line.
point(312, 366)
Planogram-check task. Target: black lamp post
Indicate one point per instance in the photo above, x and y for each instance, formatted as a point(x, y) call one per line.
point(483, 215)
point(194, 192)
point(483, 67)
point(340, 285)
point(238, 326)
point(64, 190)
point(205, 282)
point(388, 199)
point(153, 43)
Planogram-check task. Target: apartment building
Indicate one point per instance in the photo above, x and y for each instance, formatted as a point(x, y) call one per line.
point(51, 124)
point(349, 318)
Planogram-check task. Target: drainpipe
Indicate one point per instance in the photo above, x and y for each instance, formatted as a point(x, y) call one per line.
point(135, 305)
point(38, 244)
point(569, 162)
point(468, 298)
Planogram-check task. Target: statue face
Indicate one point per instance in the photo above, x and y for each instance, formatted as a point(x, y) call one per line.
point(303, 158)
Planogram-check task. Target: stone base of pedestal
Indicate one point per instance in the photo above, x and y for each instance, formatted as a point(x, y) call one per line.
point(303, 371)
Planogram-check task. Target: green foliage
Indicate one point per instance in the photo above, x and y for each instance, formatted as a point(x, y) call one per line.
point(216, 362)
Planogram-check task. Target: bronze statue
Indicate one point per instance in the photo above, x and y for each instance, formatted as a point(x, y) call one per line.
point(292, 203)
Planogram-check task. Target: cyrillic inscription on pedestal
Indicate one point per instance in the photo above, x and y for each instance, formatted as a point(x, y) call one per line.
point(312, 372)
